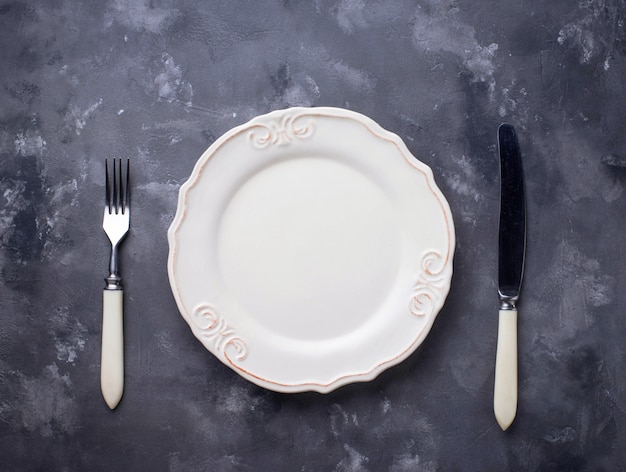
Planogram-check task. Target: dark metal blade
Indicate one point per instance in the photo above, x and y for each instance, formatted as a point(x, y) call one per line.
point(512, 240)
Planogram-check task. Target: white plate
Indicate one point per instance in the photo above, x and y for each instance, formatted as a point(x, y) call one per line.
point(310, 249)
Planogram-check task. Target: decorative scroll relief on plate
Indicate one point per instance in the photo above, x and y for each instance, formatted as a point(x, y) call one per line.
point(215, 329)
point(429, 290)
point(280, 132)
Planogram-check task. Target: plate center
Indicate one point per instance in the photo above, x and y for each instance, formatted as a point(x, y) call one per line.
point(309, 248)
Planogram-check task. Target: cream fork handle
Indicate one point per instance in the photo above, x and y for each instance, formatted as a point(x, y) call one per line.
point(112, 362)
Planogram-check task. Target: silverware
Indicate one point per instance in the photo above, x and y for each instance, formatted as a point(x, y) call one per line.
point(511, 253)
point(116, 223)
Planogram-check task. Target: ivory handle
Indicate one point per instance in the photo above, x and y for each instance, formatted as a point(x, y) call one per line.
point(112, 361)
point(505, 388)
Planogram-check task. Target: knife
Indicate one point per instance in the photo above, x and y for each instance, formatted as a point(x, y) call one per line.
point(511, 252)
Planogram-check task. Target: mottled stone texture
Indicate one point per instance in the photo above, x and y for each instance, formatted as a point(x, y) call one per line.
point(158, 80)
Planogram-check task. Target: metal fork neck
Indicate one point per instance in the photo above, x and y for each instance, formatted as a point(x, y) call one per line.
point(113, 281)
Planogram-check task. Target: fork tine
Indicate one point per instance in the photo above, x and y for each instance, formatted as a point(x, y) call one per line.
point(127, 192)
point(117, 182)
point(107, 186)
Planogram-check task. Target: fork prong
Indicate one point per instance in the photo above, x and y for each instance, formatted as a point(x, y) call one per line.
point(107, 186)
point(117, 182)
point(127, 190)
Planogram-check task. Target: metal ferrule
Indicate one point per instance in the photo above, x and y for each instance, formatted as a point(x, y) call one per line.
point(113, 282)
point(508, 302)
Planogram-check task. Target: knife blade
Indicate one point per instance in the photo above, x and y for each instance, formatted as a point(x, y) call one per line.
point(511, 254)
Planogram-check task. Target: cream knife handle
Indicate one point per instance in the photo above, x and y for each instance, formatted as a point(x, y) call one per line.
point(505, 388)
point(112, 361)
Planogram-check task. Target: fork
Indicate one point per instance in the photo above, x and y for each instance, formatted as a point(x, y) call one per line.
point(116, 223)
